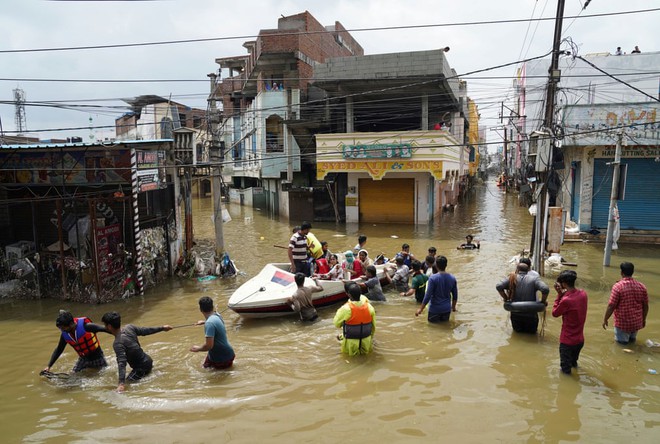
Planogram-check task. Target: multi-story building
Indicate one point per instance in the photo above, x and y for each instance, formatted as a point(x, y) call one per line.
point(392, 140)
point(304, 101)
point(266, 156)
point(600, 97)
point(157, 118)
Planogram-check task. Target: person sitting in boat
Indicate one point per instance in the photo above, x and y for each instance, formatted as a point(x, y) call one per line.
point(521, 287)
point(352, 268)
point(468, 244)
point(334, 272)
point(372, 284)
point(401, 275)
point(325, 252)
point(365, 260)
point(407, 256)
point(357, 319)
point(381, 259)
point(301, 301)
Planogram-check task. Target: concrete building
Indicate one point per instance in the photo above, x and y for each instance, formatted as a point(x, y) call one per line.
point(268, 164)
point(396, 130)
point(156, 118)
point(592, 108)
point(304, 93)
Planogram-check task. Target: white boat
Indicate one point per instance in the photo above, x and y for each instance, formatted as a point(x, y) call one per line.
point(265, 294)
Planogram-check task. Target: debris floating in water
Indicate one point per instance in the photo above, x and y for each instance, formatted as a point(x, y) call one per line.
point(627, 350)
point(394, 236)
point(653, 371)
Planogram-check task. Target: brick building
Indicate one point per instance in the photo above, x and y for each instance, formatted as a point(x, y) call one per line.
point(265, 130)
point(304, 92)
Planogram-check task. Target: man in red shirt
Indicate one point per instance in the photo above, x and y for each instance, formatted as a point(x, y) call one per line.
point(571, 305)
point(629, 301)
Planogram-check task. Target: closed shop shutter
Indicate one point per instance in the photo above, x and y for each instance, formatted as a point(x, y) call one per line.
point(387, 201)
point(641, 208)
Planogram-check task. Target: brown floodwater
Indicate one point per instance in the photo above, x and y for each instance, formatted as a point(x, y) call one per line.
point(471, 380)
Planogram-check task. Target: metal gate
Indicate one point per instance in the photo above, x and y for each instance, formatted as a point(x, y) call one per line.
point(641, 208)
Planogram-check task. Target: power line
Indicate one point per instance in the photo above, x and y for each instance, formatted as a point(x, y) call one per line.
point(329, 100)
point(312, 79)
point(615, 78)
point(307, 33)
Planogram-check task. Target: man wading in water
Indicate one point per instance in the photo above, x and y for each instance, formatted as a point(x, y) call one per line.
point(79, 333)
point(519, 287)
point(128, 349)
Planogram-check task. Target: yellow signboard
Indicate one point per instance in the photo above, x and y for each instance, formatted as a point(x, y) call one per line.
point(377, 168)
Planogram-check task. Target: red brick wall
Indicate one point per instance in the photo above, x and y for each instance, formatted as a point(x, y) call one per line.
point(318, 45)
point(289, 37)
point(124, 124)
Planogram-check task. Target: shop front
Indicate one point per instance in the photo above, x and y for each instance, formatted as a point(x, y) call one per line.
point(392, 177)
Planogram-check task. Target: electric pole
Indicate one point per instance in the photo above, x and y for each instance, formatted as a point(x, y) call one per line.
point(541, 219)
point(506, 161)
point(216, 158)
point(614, 196)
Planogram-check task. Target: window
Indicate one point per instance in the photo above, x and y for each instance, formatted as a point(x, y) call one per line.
point(166, 128)
point(274, 134)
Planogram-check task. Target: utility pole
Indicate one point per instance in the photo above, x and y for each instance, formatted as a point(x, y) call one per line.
point(216, 158)
point(506, 161)
point(541, 219)
point(614, 196)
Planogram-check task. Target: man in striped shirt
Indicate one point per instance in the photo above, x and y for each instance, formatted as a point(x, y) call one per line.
point(629, 301)
point(298, 250)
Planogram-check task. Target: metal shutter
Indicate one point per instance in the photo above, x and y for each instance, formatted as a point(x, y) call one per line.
point(641, 208)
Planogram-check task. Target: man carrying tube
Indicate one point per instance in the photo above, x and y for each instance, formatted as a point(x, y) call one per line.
point(79, 333)
point(357, 319)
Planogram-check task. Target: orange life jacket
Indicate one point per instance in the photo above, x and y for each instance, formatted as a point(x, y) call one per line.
point(359, 325)
point(84, 342)
point(322, 266)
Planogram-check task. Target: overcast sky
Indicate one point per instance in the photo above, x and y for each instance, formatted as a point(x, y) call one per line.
point(31, 24)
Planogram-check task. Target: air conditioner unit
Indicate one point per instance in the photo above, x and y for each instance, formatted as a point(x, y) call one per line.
point(19, 250)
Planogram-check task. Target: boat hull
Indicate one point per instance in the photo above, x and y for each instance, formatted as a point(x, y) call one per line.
point(265, 295)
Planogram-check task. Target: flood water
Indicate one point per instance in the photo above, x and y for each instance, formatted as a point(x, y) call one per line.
point(472, 380)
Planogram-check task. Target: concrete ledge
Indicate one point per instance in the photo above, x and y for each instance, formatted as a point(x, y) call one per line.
point(624, 238)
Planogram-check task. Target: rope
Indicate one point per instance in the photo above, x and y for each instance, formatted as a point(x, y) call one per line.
point(251, 294)
point(185, 325)
point(543, 323)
